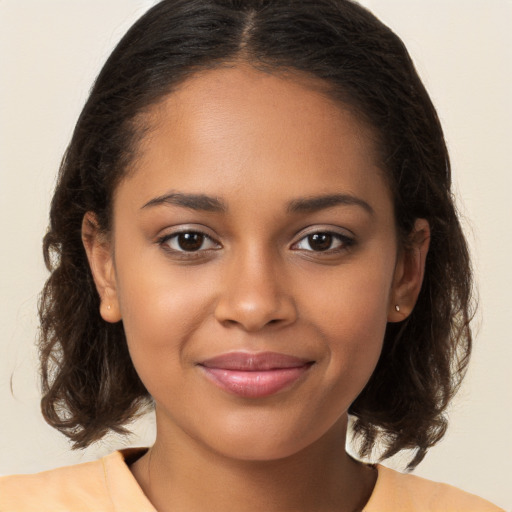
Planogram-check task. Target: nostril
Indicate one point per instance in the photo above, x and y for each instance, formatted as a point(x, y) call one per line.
point(253, 308)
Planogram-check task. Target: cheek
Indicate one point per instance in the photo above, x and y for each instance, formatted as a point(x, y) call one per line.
point(160, 311)
point(354, 298)
point(353, 308)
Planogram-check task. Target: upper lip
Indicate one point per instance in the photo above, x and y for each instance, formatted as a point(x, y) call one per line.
point(247, 361)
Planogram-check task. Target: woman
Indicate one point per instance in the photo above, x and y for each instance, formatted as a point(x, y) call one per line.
point(253, 230)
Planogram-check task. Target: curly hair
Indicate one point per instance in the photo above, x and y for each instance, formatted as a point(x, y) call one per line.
point(89, 383)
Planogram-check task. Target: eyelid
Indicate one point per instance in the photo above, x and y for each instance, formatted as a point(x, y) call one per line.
point(187, 228)
point(346, 237)
point(324, 228)
point(190, 228)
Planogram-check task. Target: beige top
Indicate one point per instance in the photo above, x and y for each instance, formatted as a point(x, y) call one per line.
point(108, 485)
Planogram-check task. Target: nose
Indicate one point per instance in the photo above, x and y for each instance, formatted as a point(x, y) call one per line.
point(255, 294)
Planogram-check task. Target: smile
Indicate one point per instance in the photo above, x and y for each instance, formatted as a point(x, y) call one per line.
point(254, 375)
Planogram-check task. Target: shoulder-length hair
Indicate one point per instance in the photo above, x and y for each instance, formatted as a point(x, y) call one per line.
point(89, 383)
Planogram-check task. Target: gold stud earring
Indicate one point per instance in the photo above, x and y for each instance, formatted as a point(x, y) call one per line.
point(108, 307)
point(397, 308)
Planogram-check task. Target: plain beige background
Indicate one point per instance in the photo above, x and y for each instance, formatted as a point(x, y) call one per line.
point(50, 52)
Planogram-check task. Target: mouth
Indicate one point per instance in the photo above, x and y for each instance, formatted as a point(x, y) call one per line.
point(254, 375)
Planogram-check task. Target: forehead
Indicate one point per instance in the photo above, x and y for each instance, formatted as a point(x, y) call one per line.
point(241, 128)
point(240, 94)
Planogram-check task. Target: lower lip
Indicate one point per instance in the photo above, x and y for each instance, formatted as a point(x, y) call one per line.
point(255, 384)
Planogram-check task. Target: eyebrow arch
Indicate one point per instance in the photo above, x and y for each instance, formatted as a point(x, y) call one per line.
point(316, 203)
point(199, 202)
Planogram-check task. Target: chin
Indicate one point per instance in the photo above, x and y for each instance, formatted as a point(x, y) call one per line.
point(265, 441)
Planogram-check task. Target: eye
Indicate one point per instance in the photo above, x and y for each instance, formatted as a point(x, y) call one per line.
point(323, 241)
point(189, 241)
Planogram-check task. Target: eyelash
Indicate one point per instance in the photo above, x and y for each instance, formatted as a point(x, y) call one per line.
point(344, 243)
point(166, 240)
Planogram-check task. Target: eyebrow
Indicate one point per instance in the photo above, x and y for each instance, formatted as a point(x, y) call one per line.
point(203, 202)
point(316, 203)
point(200, 202)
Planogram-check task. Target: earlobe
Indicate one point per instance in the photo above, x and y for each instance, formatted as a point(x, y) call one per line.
point(409, 273)
point(99, 255)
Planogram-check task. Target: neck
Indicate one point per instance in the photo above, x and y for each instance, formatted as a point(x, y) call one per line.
point(180, 474)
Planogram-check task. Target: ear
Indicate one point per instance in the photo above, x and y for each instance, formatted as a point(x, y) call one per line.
point(100, 255)
point(409, 272)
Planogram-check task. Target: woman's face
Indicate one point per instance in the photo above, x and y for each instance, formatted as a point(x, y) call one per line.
point(255, 262)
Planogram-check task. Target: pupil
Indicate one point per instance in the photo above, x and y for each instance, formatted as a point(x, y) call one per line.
point(320, 241)
point(190, 241)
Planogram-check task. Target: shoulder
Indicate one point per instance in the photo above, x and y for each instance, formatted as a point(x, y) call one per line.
point(396, 492)
point(86, 487)
point(82, 486)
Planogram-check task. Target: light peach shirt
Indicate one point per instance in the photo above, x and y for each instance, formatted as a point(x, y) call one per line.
point(107, 485)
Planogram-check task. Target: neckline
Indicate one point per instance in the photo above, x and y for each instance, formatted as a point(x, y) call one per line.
point(125, 491)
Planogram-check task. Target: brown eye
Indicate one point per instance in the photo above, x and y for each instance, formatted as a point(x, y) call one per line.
point(190, 241)
point(324, 241)
point(320, 241)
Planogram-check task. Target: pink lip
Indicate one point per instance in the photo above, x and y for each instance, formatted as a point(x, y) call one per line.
point(254, 375)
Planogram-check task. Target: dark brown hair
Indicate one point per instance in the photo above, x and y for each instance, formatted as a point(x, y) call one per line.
point(89, 383)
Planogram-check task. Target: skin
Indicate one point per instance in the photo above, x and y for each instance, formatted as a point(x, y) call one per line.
point(258, 143)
